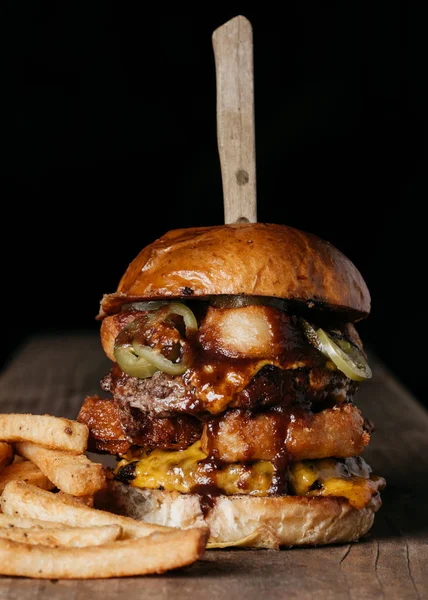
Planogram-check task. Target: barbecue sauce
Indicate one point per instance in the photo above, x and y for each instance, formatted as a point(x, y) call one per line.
point(280, 462)
point(216, 380)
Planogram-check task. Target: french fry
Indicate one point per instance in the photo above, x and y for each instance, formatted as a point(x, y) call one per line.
point(9, 522)
point(156, 553)
point(6, 454)
point(24, 471)
point(49, 431)
point(24, 500)
point(60, 535)
point(79, 500)
point(74, 474)
point(71, 537)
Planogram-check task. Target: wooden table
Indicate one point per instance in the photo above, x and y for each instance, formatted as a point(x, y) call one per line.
point(53, 374)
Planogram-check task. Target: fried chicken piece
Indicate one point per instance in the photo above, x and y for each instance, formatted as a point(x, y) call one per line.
point(115, 427)
point(243, 436)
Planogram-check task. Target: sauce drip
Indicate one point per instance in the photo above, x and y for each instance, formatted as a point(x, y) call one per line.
point(217, 378)
point(239, 424)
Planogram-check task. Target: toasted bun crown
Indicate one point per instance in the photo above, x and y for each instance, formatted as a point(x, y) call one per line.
point(251, 258)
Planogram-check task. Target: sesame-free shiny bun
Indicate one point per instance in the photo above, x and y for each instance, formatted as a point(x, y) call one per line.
point(255, 259)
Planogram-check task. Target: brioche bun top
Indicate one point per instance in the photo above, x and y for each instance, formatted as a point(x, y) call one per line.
point(256, 259)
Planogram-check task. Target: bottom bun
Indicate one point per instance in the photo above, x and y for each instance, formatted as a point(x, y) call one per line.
point(248, 521)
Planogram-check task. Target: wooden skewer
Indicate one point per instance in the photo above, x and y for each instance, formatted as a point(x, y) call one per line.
point(233, 53)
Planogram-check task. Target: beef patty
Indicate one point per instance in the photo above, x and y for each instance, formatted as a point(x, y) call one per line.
point(163, 395)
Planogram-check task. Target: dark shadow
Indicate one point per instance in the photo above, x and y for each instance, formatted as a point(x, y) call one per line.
point(403, 512)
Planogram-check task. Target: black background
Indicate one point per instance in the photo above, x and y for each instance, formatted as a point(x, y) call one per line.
point(110, 140)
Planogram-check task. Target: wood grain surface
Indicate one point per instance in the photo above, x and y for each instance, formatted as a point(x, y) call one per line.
point(233, 54)
point(53, 375)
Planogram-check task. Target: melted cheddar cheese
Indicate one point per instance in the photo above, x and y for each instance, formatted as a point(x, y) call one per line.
point(185, 470)
point(190, 470)
point(348, 479)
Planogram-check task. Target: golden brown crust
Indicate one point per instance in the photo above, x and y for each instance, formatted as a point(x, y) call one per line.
point(114, 429)
point(110, 328)
point(250, 258)
point(267, 522)
point(104, 421)
point(109, 331)
point(334, 431)
point(337, 431)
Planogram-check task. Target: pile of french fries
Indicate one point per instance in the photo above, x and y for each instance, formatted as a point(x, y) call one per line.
point(49, 528)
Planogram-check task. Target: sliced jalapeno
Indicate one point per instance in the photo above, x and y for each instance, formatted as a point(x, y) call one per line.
point(158, 360)
point(148, 305)
point(348, 358)
point(140, 360)
point(131, 363)
point(177, 308)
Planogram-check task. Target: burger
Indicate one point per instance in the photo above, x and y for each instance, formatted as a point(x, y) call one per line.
point(230, 400)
